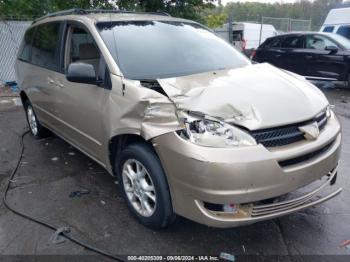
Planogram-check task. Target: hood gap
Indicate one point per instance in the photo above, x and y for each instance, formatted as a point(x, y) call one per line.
point(154, 85)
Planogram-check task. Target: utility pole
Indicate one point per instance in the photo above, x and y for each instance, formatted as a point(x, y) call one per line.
point(261, 28)
point(230, 33)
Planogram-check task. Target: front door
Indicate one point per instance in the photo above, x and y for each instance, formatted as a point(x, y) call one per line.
point(293, 55)
point(81, 106)
point(322, 63)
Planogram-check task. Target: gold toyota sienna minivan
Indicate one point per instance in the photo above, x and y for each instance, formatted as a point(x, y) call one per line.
point(184, 121)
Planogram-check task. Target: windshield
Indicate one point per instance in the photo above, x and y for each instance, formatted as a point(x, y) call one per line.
point(162, 49)
point(342, 40)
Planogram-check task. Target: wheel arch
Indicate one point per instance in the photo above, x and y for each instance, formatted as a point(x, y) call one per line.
point(24, 97)
point(118, 143)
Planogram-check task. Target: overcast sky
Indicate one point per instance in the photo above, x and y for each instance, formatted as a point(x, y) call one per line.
point(260, 1)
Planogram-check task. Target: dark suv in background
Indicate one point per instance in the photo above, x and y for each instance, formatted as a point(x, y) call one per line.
point(317, 56)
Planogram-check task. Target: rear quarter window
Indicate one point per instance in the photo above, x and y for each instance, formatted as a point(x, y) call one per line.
point(273, 42)
point(344, 31)
point(45, 47)
point(25, 50)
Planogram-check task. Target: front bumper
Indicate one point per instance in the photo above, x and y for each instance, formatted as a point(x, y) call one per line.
point(244, 176)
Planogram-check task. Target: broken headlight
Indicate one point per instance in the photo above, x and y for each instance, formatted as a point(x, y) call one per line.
point(210, 132)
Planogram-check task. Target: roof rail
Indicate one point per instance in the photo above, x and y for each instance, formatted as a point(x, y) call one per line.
point(59, 13)
point(96, 11)
point(79, 11)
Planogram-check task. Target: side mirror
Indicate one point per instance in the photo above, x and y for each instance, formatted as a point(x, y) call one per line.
point(82, 73)
point(331, 48)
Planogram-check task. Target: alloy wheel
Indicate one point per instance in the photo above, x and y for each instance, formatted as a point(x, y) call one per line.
point(139, 187)
point(32, 120)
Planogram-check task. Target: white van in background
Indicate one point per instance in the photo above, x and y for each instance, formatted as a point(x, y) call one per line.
point(337, 21)
point(246, 36)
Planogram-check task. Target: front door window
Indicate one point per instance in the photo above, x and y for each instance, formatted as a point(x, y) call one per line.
point(318, 42)
point(82, 48)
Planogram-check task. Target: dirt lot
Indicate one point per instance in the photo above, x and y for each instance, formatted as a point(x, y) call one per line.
point(51, 169)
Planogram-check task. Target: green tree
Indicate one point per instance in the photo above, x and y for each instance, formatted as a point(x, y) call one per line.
point(190, 9)
point(316, 10)
point(35, 8)
point(214, 21)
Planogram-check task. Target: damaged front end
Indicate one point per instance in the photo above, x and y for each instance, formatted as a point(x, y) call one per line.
point(140, 108)
point(203, 128)
point(155, 113)
point(207, 131)
point(218, 108)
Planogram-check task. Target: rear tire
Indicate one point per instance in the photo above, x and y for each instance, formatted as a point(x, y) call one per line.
point(37, 130)
point(144, 186)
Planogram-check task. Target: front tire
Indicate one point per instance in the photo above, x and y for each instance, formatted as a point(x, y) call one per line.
point(37, 130)
point(144, 186)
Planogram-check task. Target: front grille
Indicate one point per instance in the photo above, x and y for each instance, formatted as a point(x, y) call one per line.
point(285, 135)
point(305, 157)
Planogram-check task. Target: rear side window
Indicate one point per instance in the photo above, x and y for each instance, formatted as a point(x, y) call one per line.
point(272, 42)
point(293, 42)
point(25, 49)
point(344, 31)
point(328, 29)
point(45, 50)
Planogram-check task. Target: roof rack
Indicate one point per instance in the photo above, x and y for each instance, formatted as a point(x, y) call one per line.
point(79, 11)
point(96, 11)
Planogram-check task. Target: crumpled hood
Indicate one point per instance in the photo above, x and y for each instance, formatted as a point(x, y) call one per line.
point(256, 96)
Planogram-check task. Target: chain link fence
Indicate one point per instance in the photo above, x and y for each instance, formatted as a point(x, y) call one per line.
point(11, 34)
point(287, 24)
